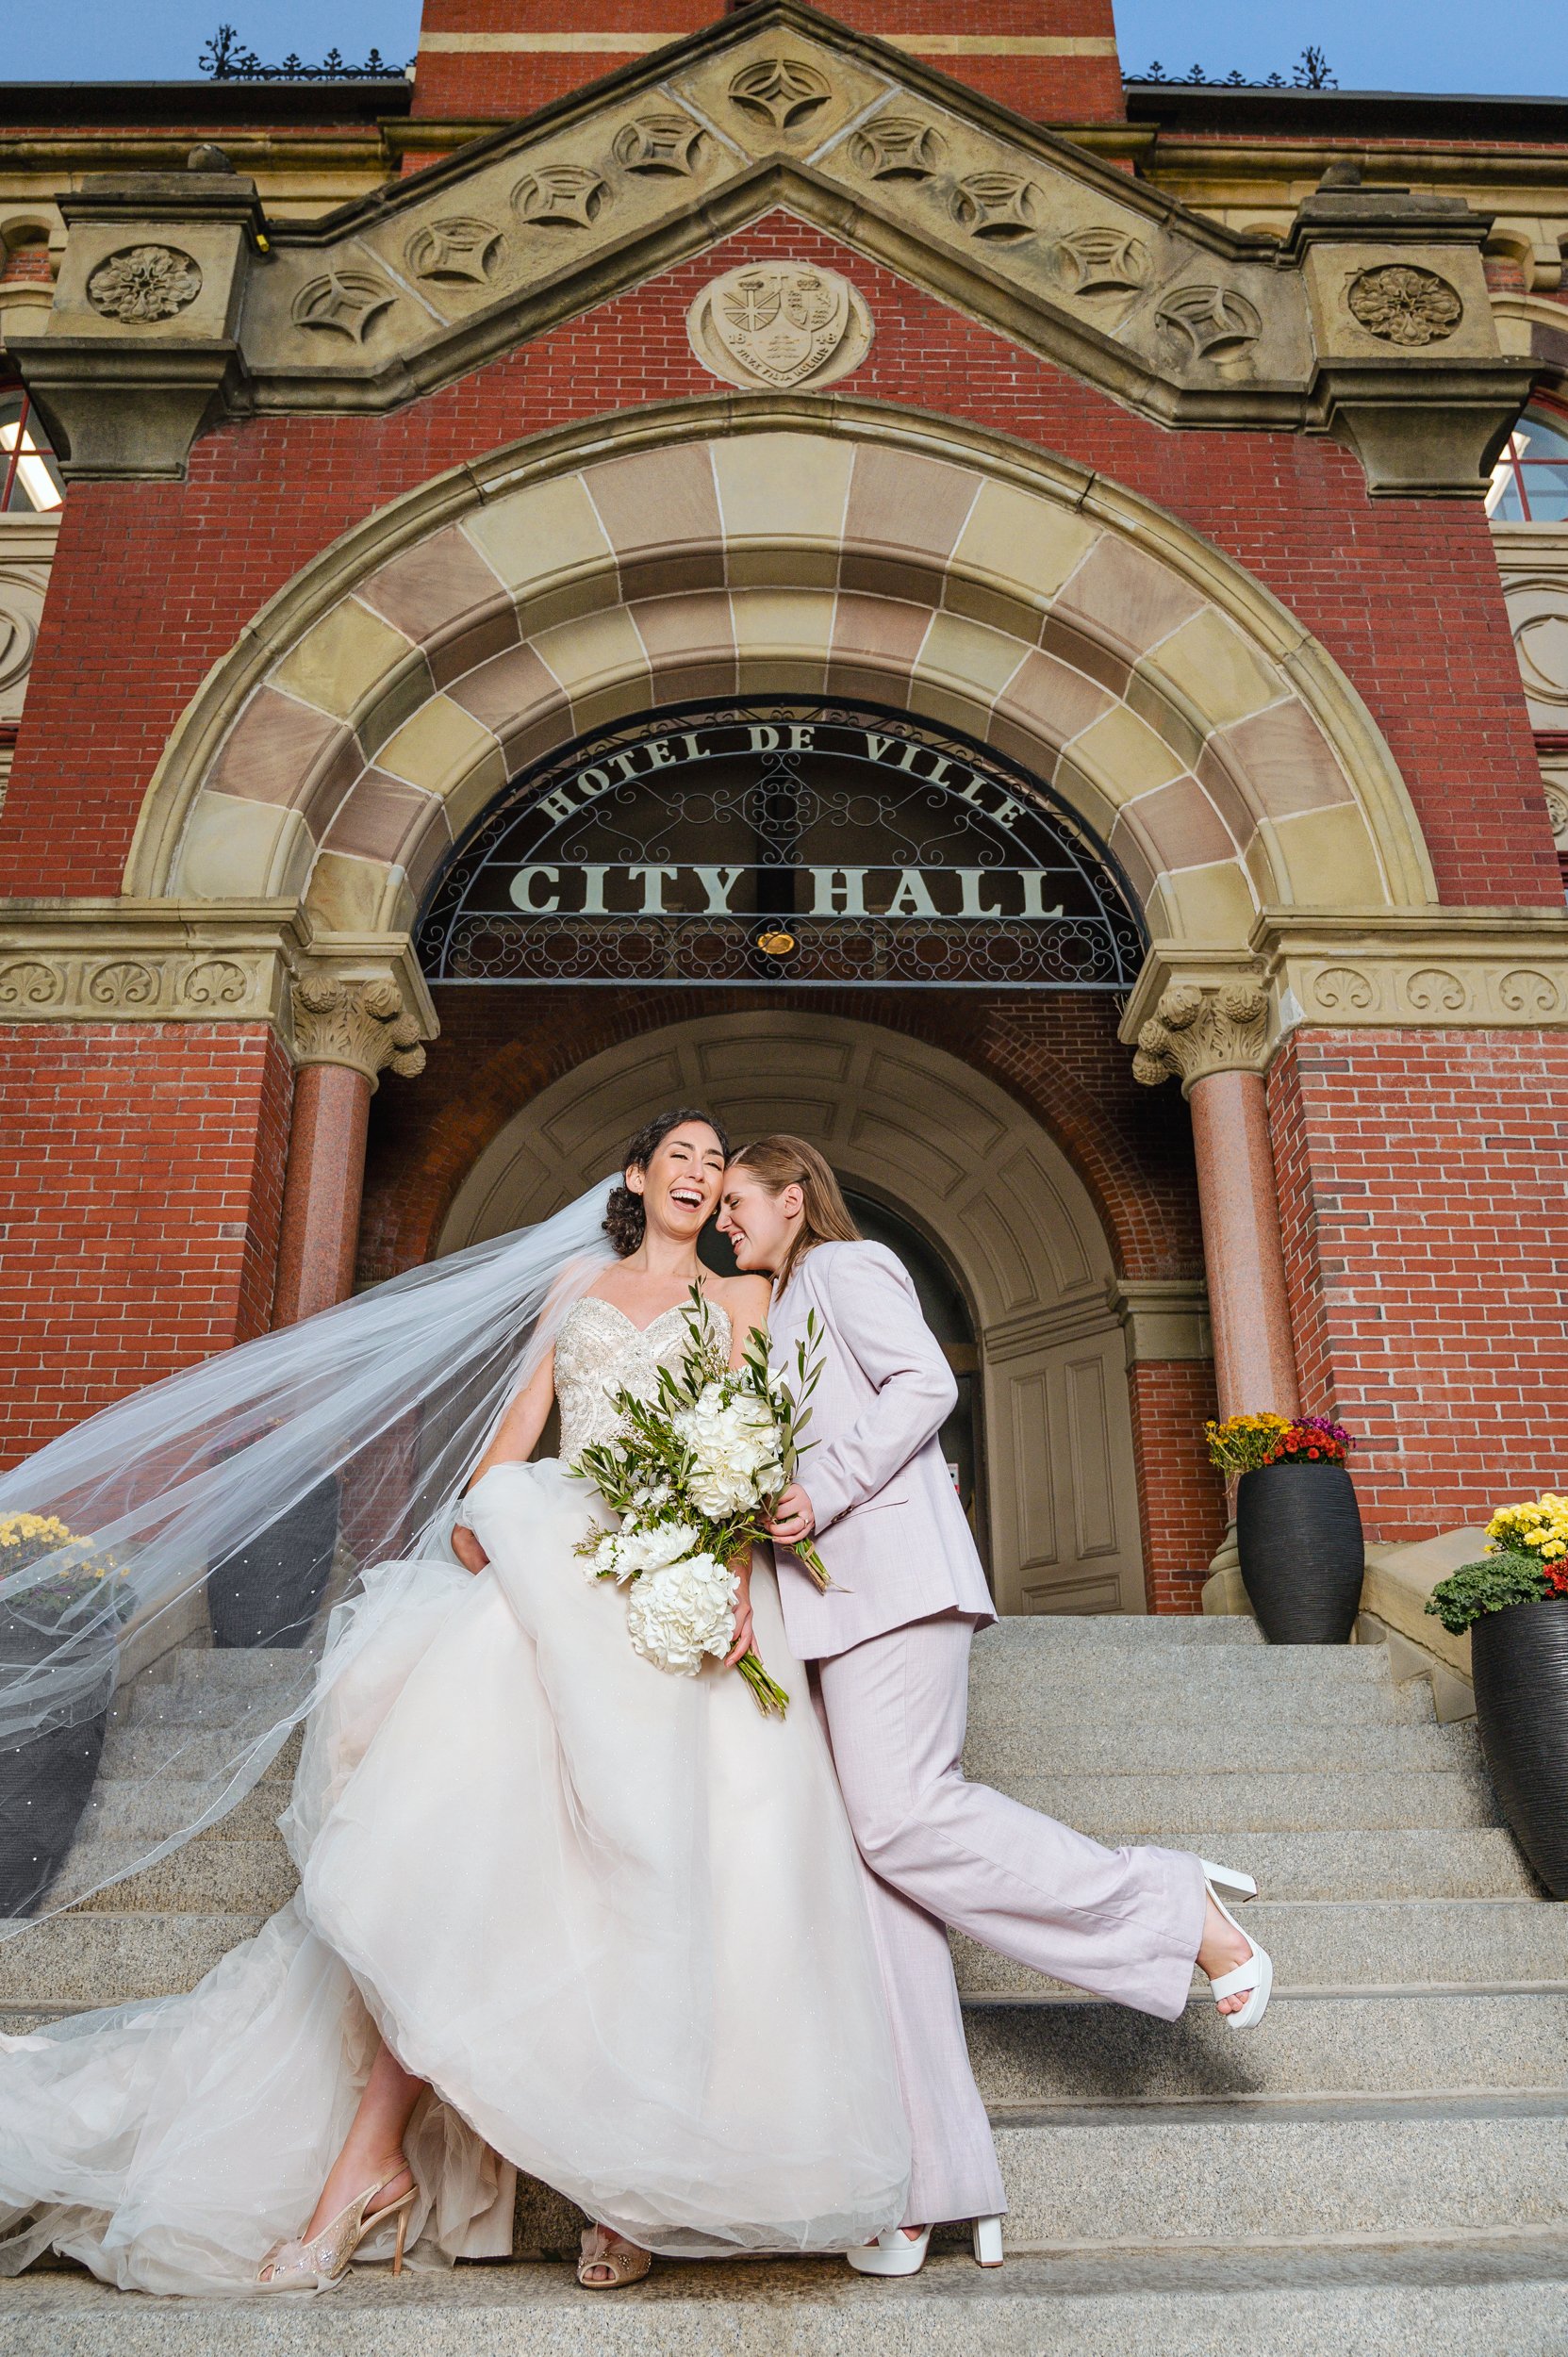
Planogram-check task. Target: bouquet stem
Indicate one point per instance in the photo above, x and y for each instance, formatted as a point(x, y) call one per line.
point(772, 1699)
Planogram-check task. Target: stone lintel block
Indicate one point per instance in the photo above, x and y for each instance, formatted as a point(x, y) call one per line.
point(116, 415)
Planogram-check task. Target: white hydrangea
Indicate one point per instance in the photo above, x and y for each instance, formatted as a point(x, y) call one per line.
point(734, 1443)
point(680, 1613)
point(643, 1548)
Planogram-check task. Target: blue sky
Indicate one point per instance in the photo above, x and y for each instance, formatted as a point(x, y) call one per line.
point(1371, 44)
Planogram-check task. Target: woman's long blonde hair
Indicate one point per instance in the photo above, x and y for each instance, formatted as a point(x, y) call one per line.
point(781, 1161)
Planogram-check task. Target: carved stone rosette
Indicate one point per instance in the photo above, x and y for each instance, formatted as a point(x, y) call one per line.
point(363, 1025)
point(1194, 1031)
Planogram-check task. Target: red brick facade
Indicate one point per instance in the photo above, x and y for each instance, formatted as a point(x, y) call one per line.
point(1421, 1190)
point(141, 1187)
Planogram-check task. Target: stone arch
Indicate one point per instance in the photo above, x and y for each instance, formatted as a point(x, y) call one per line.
point(948, 1149)
point(761, 546)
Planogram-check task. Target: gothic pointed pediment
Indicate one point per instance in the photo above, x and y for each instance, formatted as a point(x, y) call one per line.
point(412, 288)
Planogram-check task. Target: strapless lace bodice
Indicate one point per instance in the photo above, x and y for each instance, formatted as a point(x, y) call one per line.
point(599, 1351)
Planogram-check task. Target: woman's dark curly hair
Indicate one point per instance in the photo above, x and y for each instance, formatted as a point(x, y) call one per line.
point(625, 1222)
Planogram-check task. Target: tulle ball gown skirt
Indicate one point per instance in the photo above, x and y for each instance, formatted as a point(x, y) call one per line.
point(615, 1917)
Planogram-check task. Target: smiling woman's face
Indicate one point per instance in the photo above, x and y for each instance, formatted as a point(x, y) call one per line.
point(679, 1184)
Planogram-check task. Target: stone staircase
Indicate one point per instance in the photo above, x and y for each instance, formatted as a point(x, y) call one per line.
point(1379, 2168)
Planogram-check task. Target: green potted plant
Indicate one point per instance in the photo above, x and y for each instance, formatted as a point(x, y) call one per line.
point(1515, 1603)
point(1298, 1529)
point(67, 1623)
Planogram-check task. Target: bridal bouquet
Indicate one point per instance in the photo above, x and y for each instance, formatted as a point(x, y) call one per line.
point(692, 1476)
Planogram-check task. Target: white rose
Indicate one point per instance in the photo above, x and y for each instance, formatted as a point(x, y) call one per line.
point(681, 1613)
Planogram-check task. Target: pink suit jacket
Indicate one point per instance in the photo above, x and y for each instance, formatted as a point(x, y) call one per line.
point(889, 1525)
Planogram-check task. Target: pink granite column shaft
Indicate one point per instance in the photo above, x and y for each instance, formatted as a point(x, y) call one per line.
point(321, 1191)
point(1242, 1253)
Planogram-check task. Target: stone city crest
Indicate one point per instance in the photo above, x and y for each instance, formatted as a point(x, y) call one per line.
point(774, 324)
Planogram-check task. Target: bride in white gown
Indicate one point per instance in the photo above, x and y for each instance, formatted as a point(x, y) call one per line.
point(558, 1912)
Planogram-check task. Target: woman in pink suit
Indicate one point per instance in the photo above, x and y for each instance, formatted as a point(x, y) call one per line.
point(888, 1650)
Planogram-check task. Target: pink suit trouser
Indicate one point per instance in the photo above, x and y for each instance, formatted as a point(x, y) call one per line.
point(1121, 1923)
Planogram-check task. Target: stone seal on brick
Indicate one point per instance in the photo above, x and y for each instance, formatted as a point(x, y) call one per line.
point(773, 325)
point(1400, 304)
point(142, 284)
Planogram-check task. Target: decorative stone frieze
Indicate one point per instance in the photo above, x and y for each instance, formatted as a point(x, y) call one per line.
point(333, 999)
point(1194, 1031)
point(1347, 969)
point(362, 1025)
point(773, 325)
point(1186, 320)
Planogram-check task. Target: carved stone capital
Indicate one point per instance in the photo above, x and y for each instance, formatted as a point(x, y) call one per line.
point(1194, 1031)
point(364, 1025)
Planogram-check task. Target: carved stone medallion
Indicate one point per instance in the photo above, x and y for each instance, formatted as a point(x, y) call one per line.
point(997, 205)
point(344, 303)
point(899, 147)
point(773, 324)
point(1212, 323)
point(143, 283)
point(1098, 261)
point(1401, 304)
point(664, 147)
point(783, 93)
point(561, 196)
point(453, 251)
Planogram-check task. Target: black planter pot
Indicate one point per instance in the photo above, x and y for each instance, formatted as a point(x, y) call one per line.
point(1299, 1534)
point(1519, 1659)
point(45, 1784)
point(267, 1593)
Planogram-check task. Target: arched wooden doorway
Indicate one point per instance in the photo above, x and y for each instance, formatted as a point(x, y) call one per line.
point(946, 1150)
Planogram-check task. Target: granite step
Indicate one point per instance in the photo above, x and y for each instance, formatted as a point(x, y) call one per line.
point(1459, 2296)
point(213, 1872)
point(1220, 1745)
point(1412, 2043)
point(232, 1869)
point(104, 1954)
point(88, 1958)
point(1406, 1944)
point(148, 1810)
point(1229, 2173)
point(1163, 1808)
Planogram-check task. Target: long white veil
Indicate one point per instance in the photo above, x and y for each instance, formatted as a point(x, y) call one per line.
point(239, 1502)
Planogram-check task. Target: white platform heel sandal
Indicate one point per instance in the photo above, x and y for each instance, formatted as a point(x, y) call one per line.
point(1255, 1978)
point(894, 2252)
point(988, 2251)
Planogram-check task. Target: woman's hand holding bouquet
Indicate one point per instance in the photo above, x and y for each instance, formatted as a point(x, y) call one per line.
point(693, 1478)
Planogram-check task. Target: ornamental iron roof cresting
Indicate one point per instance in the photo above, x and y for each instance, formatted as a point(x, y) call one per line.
point(790, 840)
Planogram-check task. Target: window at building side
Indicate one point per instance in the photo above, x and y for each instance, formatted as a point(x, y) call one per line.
point(29, 473)
point(1530, 482)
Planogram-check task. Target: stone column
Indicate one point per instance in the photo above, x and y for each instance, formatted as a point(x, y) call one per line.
point(1215, 1041)
point(345, 1033)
